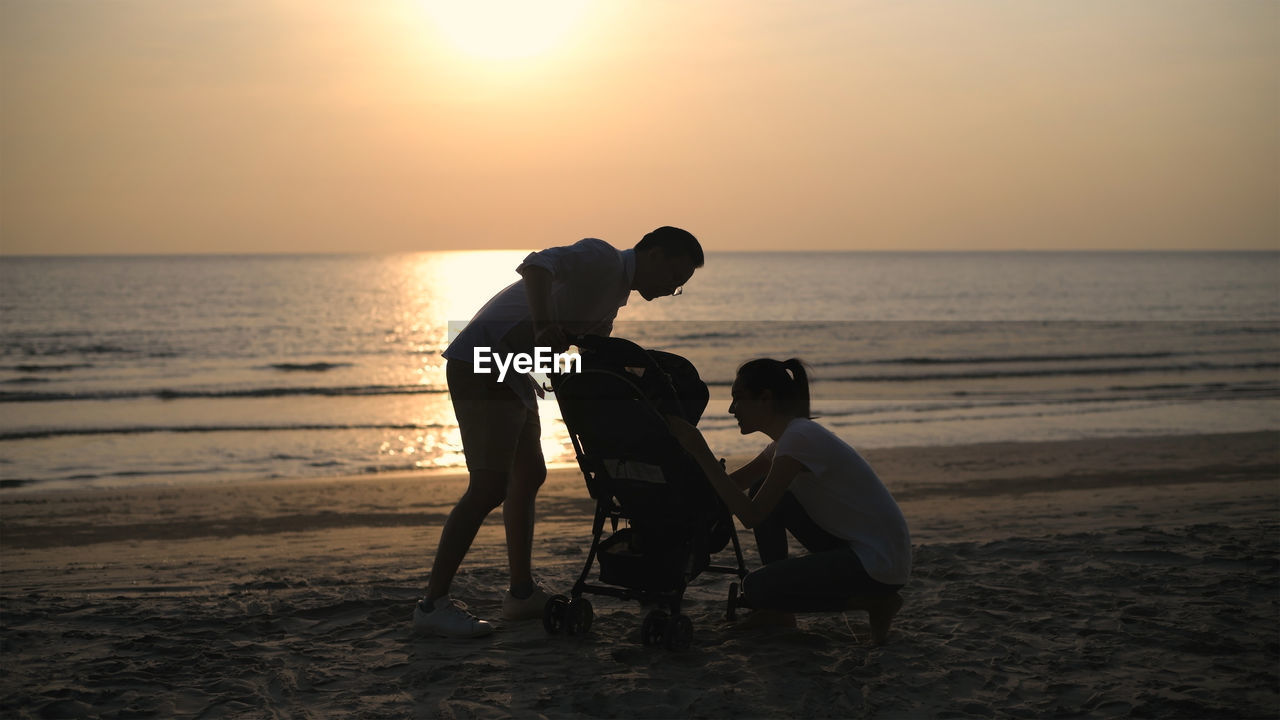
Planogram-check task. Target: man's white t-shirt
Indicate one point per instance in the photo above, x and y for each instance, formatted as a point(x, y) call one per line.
point(591, 280)
point(845, 497)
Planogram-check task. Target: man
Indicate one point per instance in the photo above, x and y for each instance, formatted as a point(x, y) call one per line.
point(575, 289)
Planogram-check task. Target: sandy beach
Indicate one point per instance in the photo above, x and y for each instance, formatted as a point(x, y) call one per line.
point(1105, 578)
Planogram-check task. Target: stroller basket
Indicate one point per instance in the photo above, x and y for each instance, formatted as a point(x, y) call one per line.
point(631, 560)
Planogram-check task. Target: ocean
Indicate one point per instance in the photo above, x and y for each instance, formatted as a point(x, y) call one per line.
point(182, 369)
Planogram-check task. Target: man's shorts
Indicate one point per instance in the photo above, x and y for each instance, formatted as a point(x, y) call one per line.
point(492, 418)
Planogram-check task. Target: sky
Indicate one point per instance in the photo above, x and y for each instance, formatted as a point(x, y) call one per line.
point(173, 126)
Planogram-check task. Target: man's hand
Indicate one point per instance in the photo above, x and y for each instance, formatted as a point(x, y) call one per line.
point(551, 336)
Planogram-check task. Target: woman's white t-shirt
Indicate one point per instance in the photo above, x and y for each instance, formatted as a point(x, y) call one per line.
point(845, 497)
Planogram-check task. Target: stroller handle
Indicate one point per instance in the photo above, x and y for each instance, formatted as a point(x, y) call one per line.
point(626, 353)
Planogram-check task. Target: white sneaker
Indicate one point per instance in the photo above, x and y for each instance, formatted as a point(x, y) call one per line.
point(529, 608)
point(449, 619)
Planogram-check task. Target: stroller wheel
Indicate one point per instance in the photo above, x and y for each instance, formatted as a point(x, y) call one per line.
point(553, 615)
point(654, 627)
point(578, 616)
point(731, 609)
point(679, 633)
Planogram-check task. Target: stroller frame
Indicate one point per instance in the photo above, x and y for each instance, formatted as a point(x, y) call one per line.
point(664, 624)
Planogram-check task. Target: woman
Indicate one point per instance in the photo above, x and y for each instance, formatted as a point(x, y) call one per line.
point(813, 484)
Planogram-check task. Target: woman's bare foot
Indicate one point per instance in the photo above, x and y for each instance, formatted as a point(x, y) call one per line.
point(766, 619)
point(882, 609)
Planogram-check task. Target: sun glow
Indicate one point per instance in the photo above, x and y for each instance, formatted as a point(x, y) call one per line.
point(505, 29)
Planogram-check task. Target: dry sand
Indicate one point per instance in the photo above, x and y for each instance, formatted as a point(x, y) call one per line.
point(1102, 578)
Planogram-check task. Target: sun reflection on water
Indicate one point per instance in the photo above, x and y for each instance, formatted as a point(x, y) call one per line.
point(459, 283)
point(439, 289)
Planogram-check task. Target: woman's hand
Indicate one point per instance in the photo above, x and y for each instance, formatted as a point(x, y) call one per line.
point(680, 427)
point(687, 435)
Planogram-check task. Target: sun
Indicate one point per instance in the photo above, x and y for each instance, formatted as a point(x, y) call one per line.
point(505, 29)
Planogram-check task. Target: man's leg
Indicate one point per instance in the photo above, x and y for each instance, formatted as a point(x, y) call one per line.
point(490, 419)
point(486, 491)
point(528, 473)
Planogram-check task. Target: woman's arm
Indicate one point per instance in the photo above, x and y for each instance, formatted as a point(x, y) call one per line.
point(750, 510)
point(747, 475)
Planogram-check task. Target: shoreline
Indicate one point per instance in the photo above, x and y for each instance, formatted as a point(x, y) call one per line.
point(70, 517)
point(1097, 578)
point(968, 460)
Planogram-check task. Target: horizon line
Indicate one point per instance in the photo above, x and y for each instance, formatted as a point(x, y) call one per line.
point(913, 251)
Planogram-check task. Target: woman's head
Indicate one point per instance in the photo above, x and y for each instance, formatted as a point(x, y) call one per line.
point(767, 388)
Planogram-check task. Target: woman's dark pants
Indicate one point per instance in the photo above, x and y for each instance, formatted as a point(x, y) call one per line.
point(823, 580)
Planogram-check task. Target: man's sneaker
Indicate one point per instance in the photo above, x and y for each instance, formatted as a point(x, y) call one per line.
point(529, 608)
point(449, 619)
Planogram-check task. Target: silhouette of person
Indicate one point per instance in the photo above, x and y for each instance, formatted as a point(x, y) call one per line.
point(574, 289)
point(817, 487)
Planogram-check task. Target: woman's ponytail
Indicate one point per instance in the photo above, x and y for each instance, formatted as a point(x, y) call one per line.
point(799, 395)
point(787, 380)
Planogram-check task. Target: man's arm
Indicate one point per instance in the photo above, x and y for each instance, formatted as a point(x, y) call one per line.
point(546, 331)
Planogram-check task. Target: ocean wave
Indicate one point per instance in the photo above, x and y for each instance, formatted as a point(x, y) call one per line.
point(1040, 358)
point(35, 350)
point(323, 467)
point(46, 433)
point(1021, 373)
point(309, 367)
point(929, 411)
point(119, 474)
point(66, 367)
point(1045, 410)
point(1055, 372)
point(168, 394)
point(1001, 359)
point(1232, 329)
point(710, 335)
point(959, 413)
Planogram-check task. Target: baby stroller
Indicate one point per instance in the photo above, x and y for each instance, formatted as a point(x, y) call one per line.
point(638, 475)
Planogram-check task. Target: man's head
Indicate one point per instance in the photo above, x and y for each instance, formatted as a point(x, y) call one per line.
point(665, 260)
